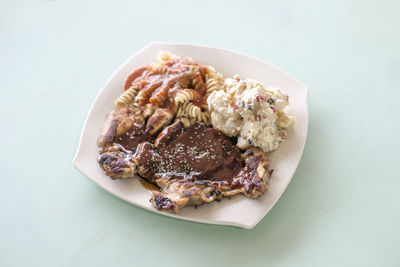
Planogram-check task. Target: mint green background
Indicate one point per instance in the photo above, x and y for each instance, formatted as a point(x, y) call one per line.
point(342, 207)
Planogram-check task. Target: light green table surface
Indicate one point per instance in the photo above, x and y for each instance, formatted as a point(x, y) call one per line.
point(342, 207)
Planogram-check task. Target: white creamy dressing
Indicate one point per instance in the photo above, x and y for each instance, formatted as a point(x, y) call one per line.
point(244, 108)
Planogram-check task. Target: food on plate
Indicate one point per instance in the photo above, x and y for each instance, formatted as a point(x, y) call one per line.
point(244, 108)
point(184, 128)
point(197, 165)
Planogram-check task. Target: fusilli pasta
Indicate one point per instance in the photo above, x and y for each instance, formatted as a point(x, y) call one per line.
point(193, 113)
point(198, 82)
point(128, 96)
point(164, 56)
point(214, 80)
point(206, 117)
point(187, 95)
point(214, 84)
point(141, 97)
point(158, 68)
point(158, 98)
point(211, 72)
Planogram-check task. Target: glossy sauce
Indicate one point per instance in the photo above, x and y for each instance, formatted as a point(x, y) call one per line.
point(133, 76)
point(160, 85)
point(198, 153)
point(148, 185)
point(133, 137)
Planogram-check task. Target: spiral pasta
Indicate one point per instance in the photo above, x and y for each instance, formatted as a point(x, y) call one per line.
point(206, 117)
point(164, 56)
point(193, 113)
point(180, 112)
point(211, 72)
point(214, 84)
point(187, 95)
point(141, 97)
point(158, 68)
point(198, 82)
point(158, 98)
point(128, 96)
point(214, 80)
point(186, 81)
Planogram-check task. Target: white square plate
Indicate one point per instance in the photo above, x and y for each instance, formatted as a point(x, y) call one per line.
point(239, 211)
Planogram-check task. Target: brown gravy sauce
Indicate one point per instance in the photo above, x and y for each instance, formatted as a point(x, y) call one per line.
point(148, 185)
point(133, 137)
point(198, 153)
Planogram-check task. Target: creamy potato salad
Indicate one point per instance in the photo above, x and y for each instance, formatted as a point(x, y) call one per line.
point(254, 114)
